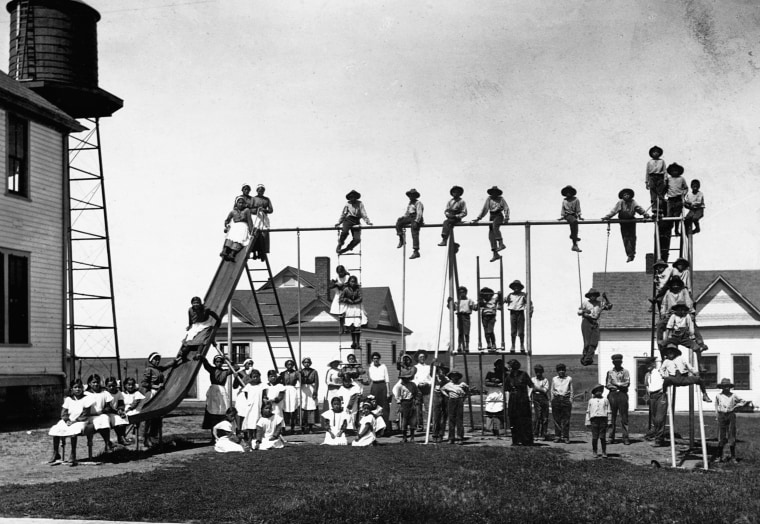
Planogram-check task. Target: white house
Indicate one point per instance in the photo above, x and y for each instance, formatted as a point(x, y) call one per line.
point(727, 315)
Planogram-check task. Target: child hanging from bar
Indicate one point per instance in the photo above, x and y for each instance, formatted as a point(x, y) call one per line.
point(489, 303)
point(355, 317)
point(200, 323)
point(498, 213)
point(677, 189)
point(725, 411)
point(238, 228)
point(516, 303)
point(676, 371)
point(349, 221)
point(456, 210)
point(694, 201)
point(412, 218)
point(654, 180)
point(625, 209)
point(591, 310)
point(463, 307)
point(261, 208)
point(571, 213)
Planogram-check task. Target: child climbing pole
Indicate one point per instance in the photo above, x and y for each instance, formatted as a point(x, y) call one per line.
point(591, 310)
point(412, 218)
point(498, 213)
point(571, 213)
point(626, 208)
point(350, 219)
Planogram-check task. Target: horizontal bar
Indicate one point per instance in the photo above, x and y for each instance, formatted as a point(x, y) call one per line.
point(487, 224)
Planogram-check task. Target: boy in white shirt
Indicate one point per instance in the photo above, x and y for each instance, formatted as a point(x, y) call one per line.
point(597, 415)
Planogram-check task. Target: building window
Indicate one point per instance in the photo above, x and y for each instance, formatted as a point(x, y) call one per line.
point(369, 352)
point(393, 352)
point(741, 372)
point(641, 387)
point(710, 373)
point(18, 156)
point(14, 298)
point(240, 352)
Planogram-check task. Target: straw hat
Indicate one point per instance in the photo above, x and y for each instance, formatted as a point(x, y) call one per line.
point(725, 383)
point(353, 194)
point(592, 292)
point(516, 283)
point(568, 191)
point(413, 193)
point(597, 388)
point(456, 189)
point(654, 149)
point(495, 191)
point(675, 170)
point(626, 190)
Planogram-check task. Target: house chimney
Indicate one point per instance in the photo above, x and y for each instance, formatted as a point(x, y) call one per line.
point(322, 270)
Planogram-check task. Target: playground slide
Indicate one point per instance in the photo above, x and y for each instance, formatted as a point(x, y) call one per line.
point(180, 378)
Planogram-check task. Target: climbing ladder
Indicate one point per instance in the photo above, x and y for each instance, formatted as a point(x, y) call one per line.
point(352, 261)
point(500, 291)
point(269, 309)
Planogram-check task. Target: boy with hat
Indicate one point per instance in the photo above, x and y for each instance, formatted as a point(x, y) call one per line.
point(540, 396)
point(440, 404)
point(680, 327)
point(658, 405)
point(678, 294)
point(498, 213)
point(456, 391)
point(561, 395)
point(597, 414)
point(591, 309)
point(677, 189)
point(676, 371)
point(412, 218)
point(456, 210)
point(489, 303)
point(654, 179)
point(626, 209)
point(618, 381)
point(726, 403)
point(571, 212)
point(353, 213)
point(662, 273)
point(516, 302)
point(463, 308)
point(681, 269)
point(406, 394)
point(695, 203)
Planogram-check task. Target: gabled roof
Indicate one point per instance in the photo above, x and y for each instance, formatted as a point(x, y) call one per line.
point(308, 278)
point(26, 101)
point(629, 293)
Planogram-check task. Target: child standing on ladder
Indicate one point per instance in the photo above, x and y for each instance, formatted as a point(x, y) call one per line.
point(337, 308)
point(626, 208)
point(591, 309)
point(456, 210)
point(654, 179)
point(261, 208)
point(695, 203)
point(571, 212)
point(412, 218)
point(677, 189)
point(351, 298)
point(463, 308)
point(489, 303)
point(498, 210)
point(516, 303)
point(350, 218)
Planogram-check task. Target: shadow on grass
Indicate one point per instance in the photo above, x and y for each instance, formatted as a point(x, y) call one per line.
point(173, 444)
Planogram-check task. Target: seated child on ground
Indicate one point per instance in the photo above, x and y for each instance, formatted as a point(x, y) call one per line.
point(226, 440)
point(335, 423)
point(366, 435)
point(269, 429)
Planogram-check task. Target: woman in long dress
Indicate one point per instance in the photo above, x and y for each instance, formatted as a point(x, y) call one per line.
point(309, 395)
point(291, 380)
point(261, 208)
point(217, 403)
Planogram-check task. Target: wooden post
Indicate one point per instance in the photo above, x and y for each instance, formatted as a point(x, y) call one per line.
point(702, 433)
point(229, 348)
point(529, 302)
point(670, 398)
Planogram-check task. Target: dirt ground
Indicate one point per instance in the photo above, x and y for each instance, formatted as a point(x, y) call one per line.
point(25, 452)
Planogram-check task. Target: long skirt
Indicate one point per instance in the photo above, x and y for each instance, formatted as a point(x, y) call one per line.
point(272, 444)
point(355, 315)
point(225, 445)
point(61, 429)
point(196, 335)
point(290, 402)
point(337, 441)
point(366, 440)
point(216, 406)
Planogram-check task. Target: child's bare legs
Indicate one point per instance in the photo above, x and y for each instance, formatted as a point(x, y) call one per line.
point(106, 434)
point(73, 452)
point(56, 450)
point(121, 431)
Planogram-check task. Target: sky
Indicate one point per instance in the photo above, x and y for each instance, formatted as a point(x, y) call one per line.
point(313, 99)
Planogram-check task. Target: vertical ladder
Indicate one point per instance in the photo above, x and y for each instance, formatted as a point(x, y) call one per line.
point(26, 57)
point(270, 310)
point(352, 261)
point(500, 278)
point(92, 324)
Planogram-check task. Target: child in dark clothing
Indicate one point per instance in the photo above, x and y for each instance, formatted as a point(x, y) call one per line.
point(457, 391)
point(655, 180)
point(456, 210)
point(463, 308)
point(677, 189)
point(413, 219)
point(489, 303)
point(626, 208)
point(695, 203)
point(571, 212)
point(498, 213)
point(349, 219)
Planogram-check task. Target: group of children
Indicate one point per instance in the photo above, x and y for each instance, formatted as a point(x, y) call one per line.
point(249, 214)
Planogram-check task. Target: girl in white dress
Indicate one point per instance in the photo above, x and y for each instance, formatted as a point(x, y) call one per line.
point(132, 396)
point(269, 429)
point(333, 380)
point(254, 391)
point(74, 416)
point(366, 435)
point(96, 400)
point(274, 392)
point(226, 440)
point(335, 423)
point(117, 415)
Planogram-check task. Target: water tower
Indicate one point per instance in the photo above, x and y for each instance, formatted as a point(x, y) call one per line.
point(54, 51)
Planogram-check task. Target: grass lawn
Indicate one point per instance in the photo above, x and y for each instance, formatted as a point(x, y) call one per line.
point(406, 483)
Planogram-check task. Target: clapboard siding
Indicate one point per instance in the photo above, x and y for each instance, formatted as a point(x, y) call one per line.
point(35, 226)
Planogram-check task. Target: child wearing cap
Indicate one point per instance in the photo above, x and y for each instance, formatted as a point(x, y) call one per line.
point(498, 213)
point(678, 294)
point(591, 310)
point(695, 203)
point(571, 213)
point(495, 402)
point(246, 196)
point(463, 307)
point(350, 219)
point(597, 413)
point(654, 180)
point(488, 304)
point(676, 371)
point(238, 228)
point(626, 208)
point(456, 210)
point(407, 394)
point(680, 327)
point(412, 218)
point(676, 191)
point(617, 382)
point(726, 403)
point(540, 396)
point(351, 299)
point(457, 392)
point(561, 395)
point(261, 208)
point(516, 304)
point(290, 378)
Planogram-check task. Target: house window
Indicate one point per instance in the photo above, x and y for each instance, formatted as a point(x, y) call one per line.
point(369, 352)
point(641, 387)
point(741, 372)
point(240, 352)
point(710, 373)
point(14, 298)
point(18, 156)
point(393, 352)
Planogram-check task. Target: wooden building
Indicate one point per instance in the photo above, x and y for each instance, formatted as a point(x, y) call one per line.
point(34, 213)
point(728, 315)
